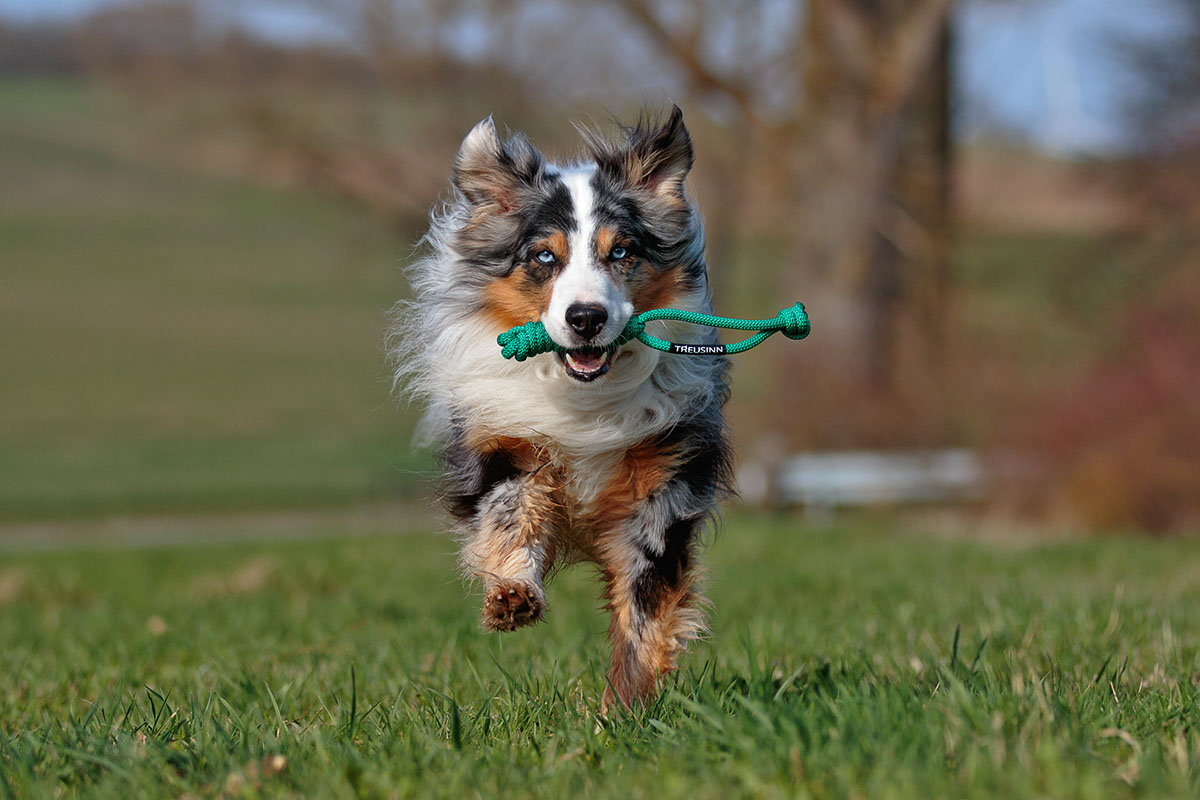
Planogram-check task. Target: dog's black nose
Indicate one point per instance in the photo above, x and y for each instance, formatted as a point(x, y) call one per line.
point(586, 319)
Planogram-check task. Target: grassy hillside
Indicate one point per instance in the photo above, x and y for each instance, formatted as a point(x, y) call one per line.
point(176, 338)
point(170, 339)
point(853, 661)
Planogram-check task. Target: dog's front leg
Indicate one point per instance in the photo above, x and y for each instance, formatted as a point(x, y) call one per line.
point(651, 588)
point(510, 547)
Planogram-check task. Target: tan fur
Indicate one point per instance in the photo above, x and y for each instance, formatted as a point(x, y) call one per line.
point(512, 300)
point(509, 302)
point(606, 239)
point(644, 467)
point(644, 645)
point(526, 455)
point(556, 243)
point(659, 290)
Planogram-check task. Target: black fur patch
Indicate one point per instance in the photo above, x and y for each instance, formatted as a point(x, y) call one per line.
point(470, 475)
point(667, 568)
point(552, 212)
point(707, 473)
point(498, 247)
point(707, 465)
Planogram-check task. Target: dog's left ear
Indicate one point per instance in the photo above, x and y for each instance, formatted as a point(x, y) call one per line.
point(658, 157)
point(491, 173)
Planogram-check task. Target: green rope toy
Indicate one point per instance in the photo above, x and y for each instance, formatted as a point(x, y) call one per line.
point(531, 339)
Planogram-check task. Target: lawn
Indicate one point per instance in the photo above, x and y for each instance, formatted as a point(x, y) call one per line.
point(855, 660)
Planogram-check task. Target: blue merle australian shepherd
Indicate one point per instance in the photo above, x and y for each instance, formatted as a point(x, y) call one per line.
point(614, 455)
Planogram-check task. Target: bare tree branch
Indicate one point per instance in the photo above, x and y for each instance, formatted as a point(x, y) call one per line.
point(910, 47)
point(685, 51)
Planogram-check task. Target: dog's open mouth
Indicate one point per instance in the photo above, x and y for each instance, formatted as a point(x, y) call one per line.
point(588, 363)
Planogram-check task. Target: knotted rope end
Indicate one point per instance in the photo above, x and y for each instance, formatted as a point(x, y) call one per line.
point(793, 322)
point(522, 341)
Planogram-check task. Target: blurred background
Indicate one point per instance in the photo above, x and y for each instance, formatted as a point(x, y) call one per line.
point(990, 207)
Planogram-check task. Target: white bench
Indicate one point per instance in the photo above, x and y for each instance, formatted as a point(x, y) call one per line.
point(831, 480)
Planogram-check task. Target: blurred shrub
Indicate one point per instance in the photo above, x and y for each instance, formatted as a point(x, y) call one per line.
point(1119, 446)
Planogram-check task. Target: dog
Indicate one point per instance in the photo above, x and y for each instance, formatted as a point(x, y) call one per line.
point(612, 455)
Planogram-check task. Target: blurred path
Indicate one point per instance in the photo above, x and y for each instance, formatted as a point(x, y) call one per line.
point(186, 529)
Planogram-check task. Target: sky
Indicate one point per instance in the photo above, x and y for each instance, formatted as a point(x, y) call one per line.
point(1045, 70)
point(1052, 69)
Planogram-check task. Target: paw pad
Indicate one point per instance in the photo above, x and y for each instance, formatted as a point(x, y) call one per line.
point(508, 606)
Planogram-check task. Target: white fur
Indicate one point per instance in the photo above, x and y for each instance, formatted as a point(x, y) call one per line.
point(582, 280)
point(496, 550)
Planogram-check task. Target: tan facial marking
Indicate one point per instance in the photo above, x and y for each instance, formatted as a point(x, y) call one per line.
point(606, 240)
point(556, 243)
point(658, 290)
point(511, 301)
point(514, 299)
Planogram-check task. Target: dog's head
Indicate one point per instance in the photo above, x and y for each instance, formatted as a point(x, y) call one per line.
point(580, 247)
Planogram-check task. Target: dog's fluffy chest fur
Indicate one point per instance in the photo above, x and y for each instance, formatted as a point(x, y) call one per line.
point(583, 434)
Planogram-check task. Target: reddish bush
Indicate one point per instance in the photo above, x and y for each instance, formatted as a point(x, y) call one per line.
point(1121, 444)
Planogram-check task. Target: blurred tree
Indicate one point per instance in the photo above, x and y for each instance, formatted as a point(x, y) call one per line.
point(878, 90)
point(853, 107)
point(1166, 109)
point(831, 118)
point(1165, 115)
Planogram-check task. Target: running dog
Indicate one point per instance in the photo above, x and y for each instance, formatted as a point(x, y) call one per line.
point(616, 455)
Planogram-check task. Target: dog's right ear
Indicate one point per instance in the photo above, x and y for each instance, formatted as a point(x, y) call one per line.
point(491, 172)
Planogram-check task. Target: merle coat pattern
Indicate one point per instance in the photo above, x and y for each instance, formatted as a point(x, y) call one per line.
point(616, 456)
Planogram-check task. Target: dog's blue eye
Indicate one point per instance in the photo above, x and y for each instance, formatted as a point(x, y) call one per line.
point(544, 256)
point(618, 253)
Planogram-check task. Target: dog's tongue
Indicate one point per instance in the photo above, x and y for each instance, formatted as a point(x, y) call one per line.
point(586, 362)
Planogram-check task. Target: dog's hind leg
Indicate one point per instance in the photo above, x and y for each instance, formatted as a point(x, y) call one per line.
point(511, 547)
point(650, 584)
point(663, 495)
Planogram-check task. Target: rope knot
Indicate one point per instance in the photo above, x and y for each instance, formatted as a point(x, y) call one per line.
point(793, 322)
point(526, 340)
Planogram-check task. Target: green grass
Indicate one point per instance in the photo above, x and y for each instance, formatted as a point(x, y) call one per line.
point(853, 661)
point(170, 338)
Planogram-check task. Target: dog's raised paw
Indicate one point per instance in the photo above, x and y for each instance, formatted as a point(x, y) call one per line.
point(510, 605)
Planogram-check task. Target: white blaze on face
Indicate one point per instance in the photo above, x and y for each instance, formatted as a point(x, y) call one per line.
point(583, 280)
